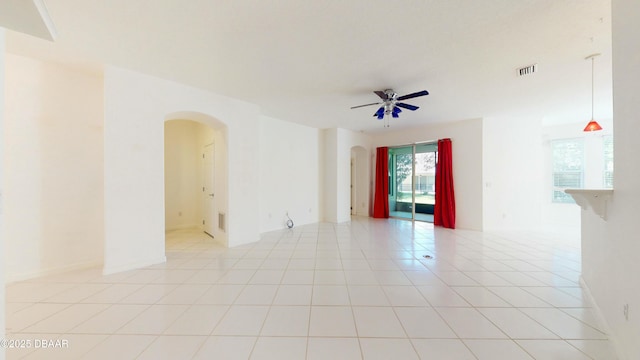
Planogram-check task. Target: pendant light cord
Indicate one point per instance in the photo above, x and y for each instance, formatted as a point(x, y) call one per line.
point(592, 62)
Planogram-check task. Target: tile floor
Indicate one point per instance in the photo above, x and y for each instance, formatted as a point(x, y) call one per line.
point(361, 290)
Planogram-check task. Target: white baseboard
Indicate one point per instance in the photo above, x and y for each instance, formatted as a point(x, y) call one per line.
point(133, 266)
point(601, 320)
point(11, 278)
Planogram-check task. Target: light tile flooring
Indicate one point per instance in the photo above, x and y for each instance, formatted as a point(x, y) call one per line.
point(361, 290)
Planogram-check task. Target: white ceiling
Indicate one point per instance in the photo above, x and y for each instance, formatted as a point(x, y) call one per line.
point(28, 17)
point(309, 61)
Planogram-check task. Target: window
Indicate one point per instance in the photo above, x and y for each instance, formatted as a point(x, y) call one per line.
point(568, 168)
point(607, 176)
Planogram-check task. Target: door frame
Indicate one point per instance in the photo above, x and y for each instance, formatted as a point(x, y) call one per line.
point(354, 185)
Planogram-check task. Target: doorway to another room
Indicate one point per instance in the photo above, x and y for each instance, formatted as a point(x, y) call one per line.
point(412, 181)
point(194, 189)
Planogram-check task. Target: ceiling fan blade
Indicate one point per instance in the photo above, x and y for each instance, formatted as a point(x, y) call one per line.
point(415, 94)
point(381, 94)
point(380, 113)
point(359, 106)
point(408, 106)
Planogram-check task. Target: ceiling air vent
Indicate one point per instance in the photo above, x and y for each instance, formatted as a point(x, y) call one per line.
point(527, 70)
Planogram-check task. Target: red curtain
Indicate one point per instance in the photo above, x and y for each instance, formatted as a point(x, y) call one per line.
point(444, 213)
point(381, 196)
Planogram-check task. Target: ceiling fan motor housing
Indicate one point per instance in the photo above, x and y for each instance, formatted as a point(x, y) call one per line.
point(391, 95)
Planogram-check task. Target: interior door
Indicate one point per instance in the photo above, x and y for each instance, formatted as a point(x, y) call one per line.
point(208, 195)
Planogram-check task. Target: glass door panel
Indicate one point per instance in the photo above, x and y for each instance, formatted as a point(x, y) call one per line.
point(412, 181)
point(401, 182)
point(425, 179)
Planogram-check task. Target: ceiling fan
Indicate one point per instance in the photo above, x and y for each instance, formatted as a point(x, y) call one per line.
point(390, 103)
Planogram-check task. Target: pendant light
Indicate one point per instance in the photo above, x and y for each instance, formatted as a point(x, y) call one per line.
point(593, 124)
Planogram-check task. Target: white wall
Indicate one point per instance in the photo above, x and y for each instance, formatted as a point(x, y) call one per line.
point(566, 217)
point(337, 145)
point(610, 248)
point(362, 184)
point(517, 171)
point(467, 149)
point(53, 153)
point(513, 173)
point(136, 107)
point(289, 174)
point(3, 257)
point(182, 168)
point(329, 175)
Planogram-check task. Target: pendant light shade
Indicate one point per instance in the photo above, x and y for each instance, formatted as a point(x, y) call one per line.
point(592, 125)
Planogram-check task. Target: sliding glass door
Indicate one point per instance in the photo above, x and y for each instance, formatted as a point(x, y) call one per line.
point(412, 181)
point(401, 182)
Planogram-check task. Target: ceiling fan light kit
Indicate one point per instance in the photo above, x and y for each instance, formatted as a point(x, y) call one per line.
point(391, 105)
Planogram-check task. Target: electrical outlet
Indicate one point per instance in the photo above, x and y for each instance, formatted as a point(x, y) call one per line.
point(625, 311)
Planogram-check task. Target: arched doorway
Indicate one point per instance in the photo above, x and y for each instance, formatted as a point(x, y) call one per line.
point(195, 159)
